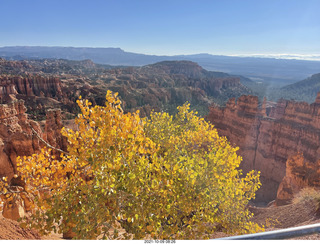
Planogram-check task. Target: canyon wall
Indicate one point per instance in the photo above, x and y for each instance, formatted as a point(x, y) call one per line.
point(30, 85)
point(268, 136)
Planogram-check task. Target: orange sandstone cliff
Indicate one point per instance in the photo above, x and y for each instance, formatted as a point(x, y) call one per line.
point(268, 136)
point(19, 135)
point(299, 174)
point(16, 136)
point(30, 85)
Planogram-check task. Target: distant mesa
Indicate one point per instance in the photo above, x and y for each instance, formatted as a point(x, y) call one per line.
point(188, 68)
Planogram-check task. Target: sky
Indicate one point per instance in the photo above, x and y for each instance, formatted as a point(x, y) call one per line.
point(166, 27)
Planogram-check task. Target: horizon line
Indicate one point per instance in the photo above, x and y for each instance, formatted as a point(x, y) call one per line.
point(291, 56)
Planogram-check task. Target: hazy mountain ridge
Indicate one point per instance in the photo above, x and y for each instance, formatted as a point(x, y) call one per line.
point(270, 70)
point(304, 90)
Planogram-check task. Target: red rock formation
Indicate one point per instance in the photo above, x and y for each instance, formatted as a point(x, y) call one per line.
point(30, 85)
point(19, 136)
point(53, 127)
point(299, 174)
point(16, 136)
point(317, 98)
point(13, 208)
point(267, 140)
point(7, 88)
point(34, 85)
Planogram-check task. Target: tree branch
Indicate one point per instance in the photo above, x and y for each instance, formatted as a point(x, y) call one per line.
point(46, 143)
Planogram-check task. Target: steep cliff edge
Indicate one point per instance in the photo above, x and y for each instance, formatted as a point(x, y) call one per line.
point(268, 136)
point(30, 85)
point(39, 92)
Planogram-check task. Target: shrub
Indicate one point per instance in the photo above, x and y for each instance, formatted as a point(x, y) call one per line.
point(166, 177)
point(307, 194)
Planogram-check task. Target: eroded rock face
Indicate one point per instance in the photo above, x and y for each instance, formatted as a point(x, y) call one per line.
point(13, 210)
point(267, 137)
point(19, 136)
point(18, 139)
point(53, 128)
point(16, 136)
point(30, 85)
point(299, 174)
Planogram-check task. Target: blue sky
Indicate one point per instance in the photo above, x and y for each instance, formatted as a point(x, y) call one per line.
point(166, 27)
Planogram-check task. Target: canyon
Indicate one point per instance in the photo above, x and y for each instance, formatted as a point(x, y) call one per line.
point(38, 98)
point(42, 94)
point(272, 70)
point(281, 140)
point(267, 135)
point(47, 84)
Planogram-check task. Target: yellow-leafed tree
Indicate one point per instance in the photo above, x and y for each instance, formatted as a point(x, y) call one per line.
point(167, 177)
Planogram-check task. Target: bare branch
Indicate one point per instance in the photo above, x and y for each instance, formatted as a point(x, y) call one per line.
point(46, 143)
point(14, 189)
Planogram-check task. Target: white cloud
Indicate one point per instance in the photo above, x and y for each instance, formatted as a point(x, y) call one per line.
point(312, 57)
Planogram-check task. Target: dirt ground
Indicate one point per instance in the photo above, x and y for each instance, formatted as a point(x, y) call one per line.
point(10, 230)
point(292, 215)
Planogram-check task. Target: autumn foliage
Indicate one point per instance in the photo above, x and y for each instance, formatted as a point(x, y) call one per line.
point(167, 177)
